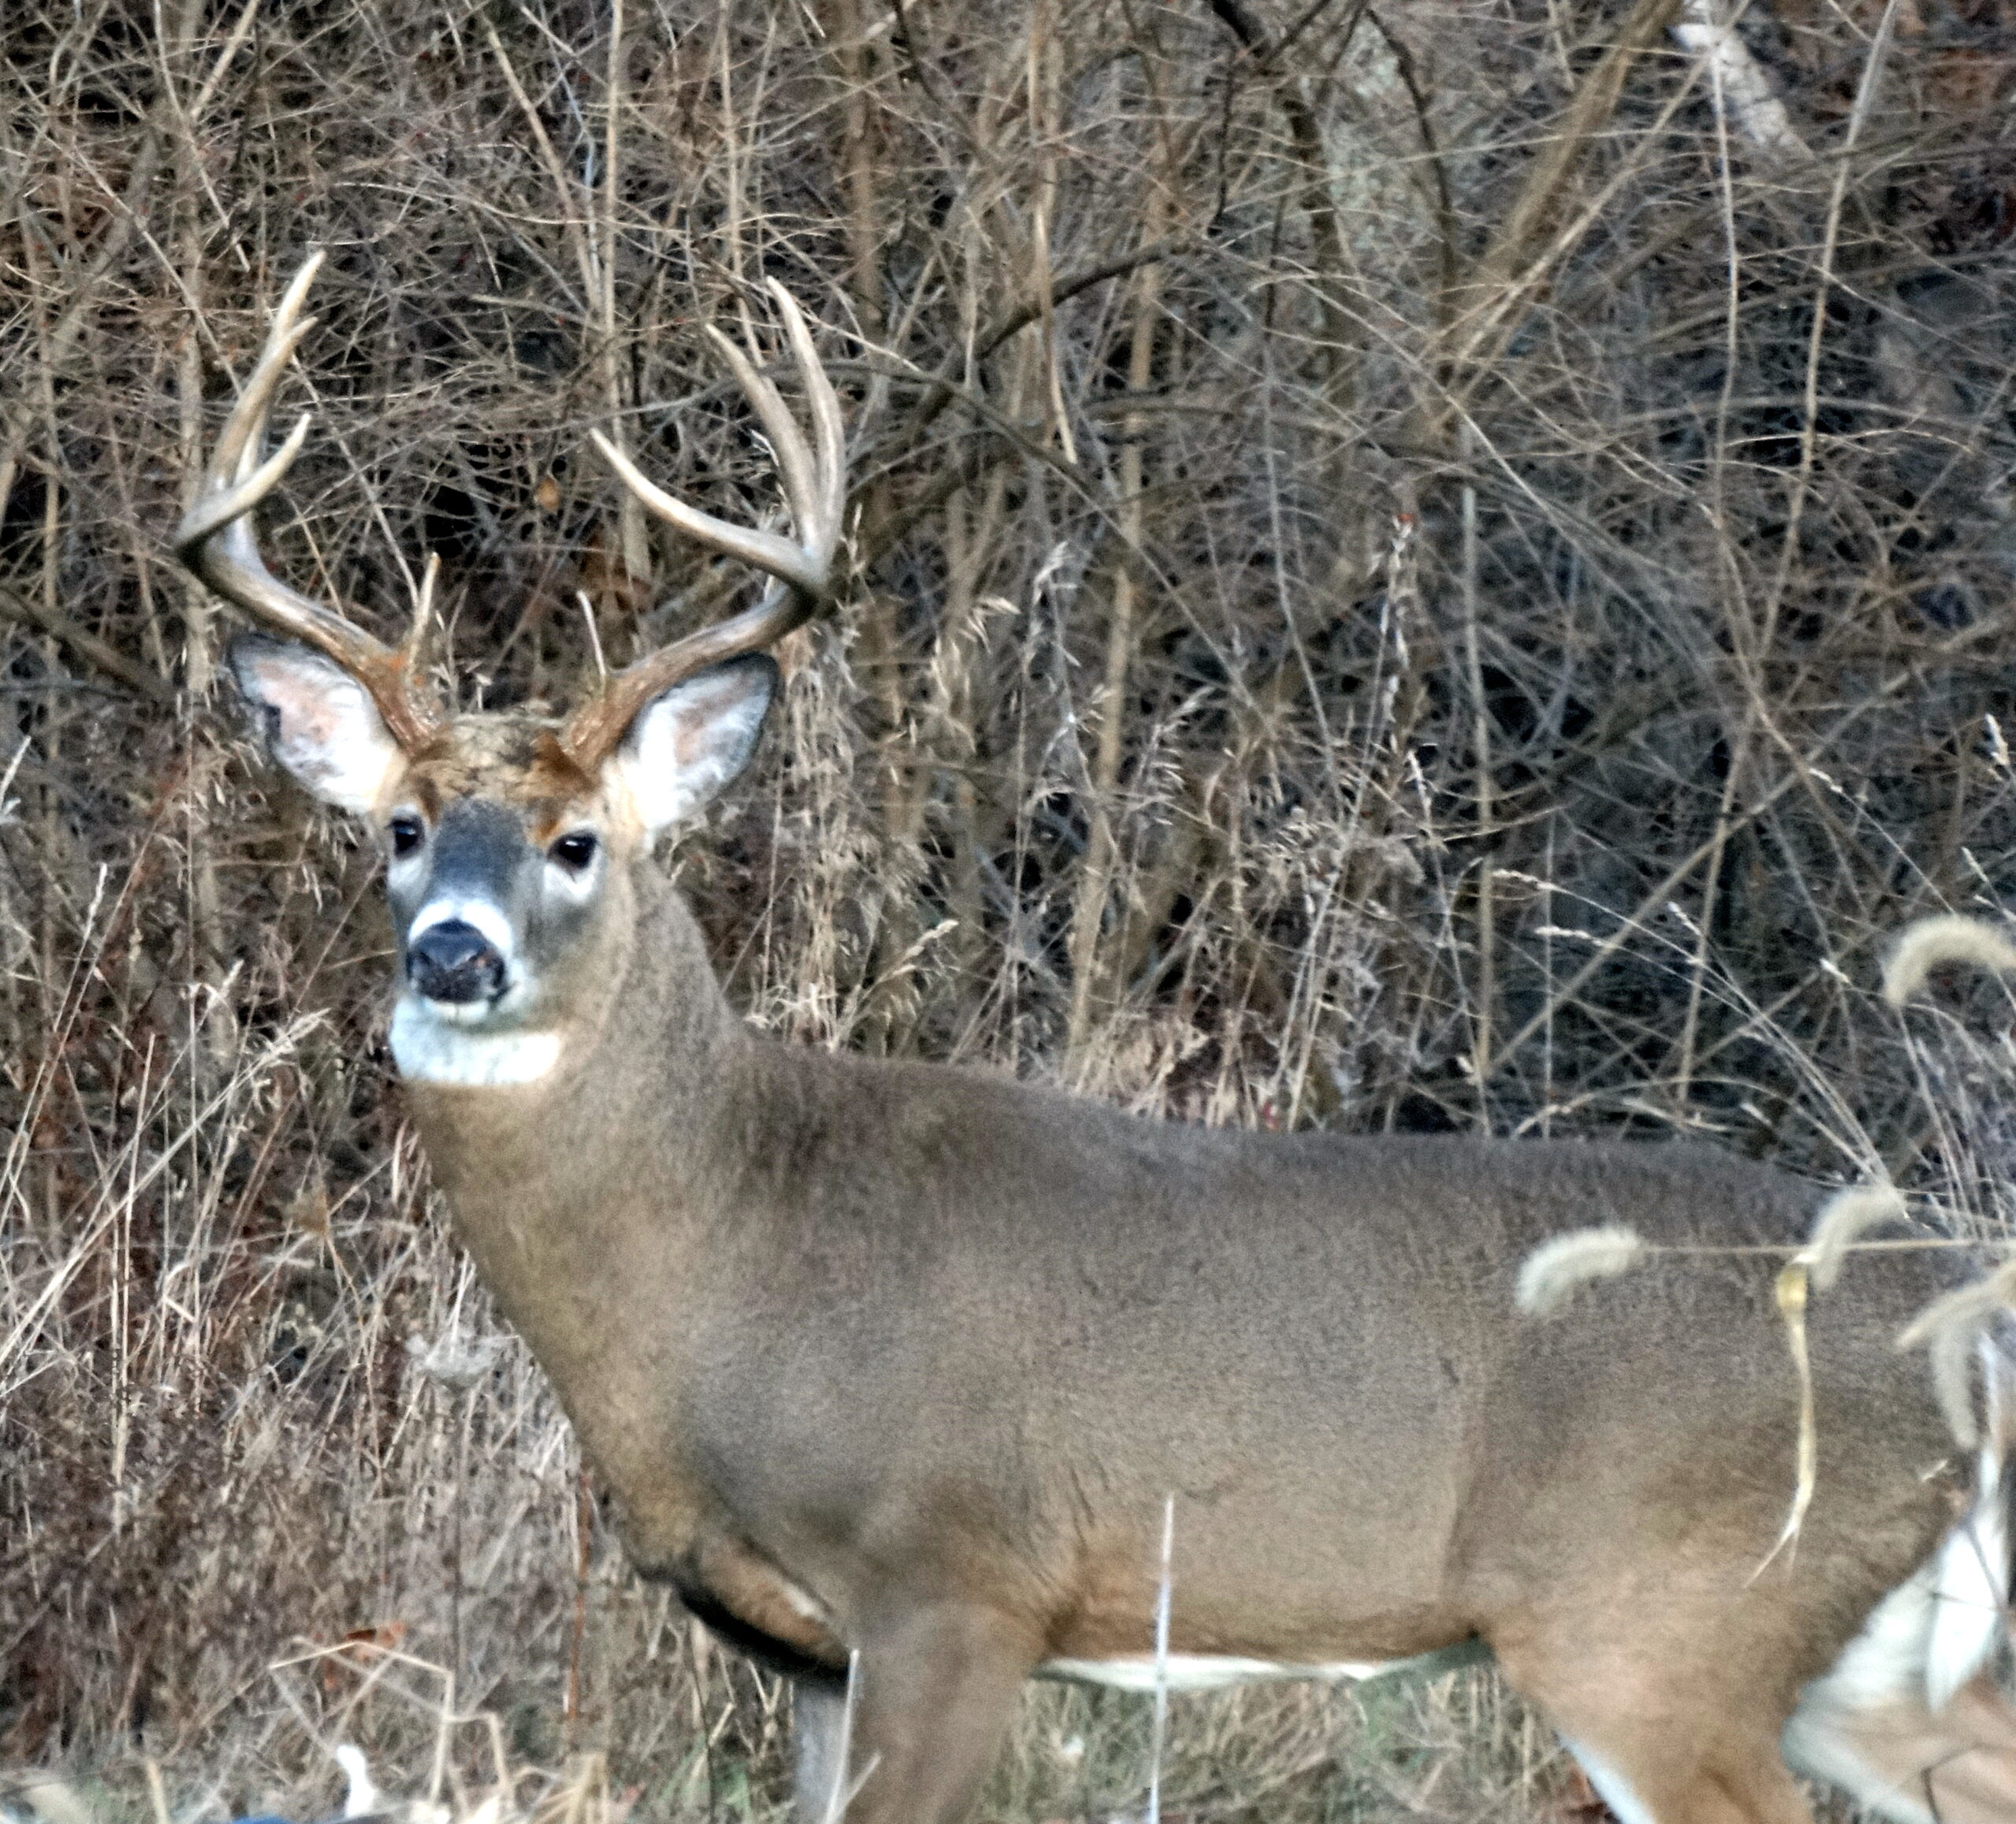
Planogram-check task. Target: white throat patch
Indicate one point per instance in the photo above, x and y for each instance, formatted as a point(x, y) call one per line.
point(428, 1049)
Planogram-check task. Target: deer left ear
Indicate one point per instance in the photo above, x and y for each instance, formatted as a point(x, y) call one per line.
point(319, 722)
point(686, 745)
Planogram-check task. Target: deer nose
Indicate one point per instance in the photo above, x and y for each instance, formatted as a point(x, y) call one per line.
point(455, 963)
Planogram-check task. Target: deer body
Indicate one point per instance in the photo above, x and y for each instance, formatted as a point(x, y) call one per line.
point(894, 1369)
point(906, 1334)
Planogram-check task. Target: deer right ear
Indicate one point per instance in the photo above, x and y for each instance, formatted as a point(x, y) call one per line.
point(319, 722)
point(687, 744)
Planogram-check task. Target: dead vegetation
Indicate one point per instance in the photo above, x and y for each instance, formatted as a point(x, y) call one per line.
point(1435, 566)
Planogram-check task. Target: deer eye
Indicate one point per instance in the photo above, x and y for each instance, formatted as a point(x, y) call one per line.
point(574, 851)
point(406, 833)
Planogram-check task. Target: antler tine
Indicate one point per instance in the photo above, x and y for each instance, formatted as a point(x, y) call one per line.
point(788, 444)
point(814, 478)
point(216, 539)
point(767, 550)
point(828, 508)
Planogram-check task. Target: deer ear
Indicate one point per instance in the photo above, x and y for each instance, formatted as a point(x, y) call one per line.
point(686, 745)
point(318, 721)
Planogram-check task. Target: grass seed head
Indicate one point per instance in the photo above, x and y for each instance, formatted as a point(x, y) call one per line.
point(1842, 1221)
point(1557, 1269)
point(1929, 944)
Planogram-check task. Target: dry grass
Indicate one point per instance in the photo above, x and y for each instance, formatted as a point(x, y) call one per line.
point(1407, 573)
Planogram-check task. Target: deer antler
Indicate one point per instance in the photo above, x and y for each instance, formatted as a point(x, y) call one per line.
point(216, 539)
point(815, 479)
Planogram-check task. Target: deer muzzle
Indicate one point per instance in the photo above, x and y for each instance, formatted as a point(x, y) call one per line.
point(455, 963)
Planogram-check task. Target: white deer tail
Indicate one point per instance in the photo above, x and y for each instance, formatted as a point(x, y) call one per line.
point(1971, 1574)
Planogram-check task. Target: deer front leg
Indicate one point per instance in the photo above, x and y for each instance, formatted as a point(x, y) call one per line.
point(818, 1738)
point(932, 1695)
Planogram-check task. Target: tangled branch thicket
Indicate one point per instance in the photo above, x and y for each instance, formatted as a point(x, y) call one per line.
point(1440, 566)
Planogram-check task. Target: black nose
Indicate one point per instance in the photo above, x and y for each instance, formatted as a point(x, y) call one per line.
point(454, 962)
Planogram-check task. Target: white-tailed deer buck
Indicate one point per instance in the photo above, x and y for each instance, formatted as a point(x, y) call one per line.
point(894, 1365)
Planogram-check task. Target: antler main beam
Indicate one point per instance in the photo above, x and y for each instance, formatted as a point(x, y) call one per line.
point(216, 538)
point(814, 476)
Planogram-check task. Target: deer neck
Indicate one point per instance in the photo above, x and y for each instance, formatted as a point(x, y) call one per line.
point(584, 1196)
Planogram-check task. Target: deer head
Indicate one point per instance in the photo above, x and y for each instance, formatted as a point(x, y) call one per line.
point(508, 838)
